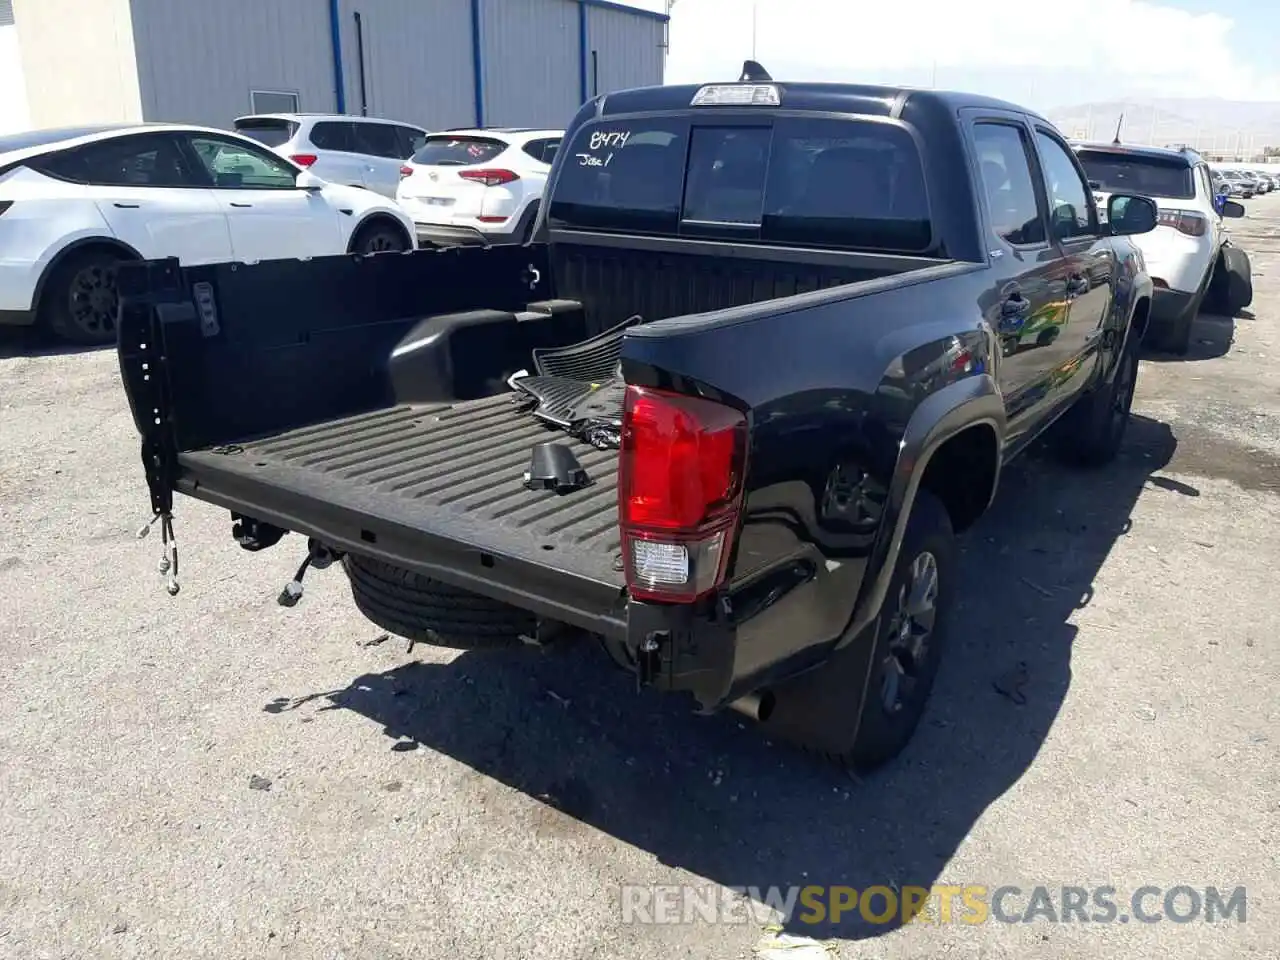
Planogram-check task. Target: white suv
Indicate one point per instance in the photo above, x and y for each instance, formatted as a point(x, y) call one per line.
point(1189, 255)
point(478, 186)
point(353, 151)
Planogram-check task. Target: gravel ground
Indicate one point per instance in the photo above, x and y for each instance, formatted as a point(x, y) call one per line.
point(215, 776)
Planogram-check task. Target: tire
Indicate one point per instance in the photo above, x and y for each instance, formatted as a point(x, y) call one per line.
point(1091, 432)
point(826, 710)
point(424, 610)
point(380, 236)
point(79, 301)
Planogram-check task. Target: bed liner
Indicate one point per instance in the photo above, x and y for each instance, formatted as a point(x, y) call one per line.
point(443, 476)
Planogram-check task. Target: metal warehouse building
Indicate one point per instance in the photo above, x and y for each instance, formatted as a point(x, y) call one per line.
point(437, 63)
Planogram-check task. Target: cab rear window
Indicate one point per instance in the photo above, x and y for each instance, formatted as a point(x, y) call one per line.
point(844, 184)
point(1130, 173)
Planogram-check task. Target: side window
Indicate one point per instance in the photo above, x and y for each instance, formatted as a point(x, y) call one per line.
point(1005, 168)
point(411, 141)
point(1069, 194)
point(543, 151)
point(238, 166)
point(1202, 173)
point(332, 135)
point(378, 140)
point(149, 160)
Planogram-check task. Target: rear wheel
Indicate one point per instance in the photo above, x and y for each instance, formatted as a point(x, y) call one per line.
point(827, 711)
point(429, 611)
point(79, 302)
point(379, 237)
point(1091, 432)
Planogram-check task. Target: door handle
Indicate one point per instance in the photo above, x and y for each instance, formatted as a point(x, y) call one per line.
point(126, 206)
point(234, 204)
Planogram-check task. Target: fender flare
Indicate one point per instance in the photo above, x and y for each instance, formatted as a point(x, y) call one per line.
point(71, 249)
point(966, 403)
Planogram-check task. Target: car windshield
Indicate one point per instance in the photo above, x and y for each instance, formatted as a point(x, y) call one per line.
point(1146, 176)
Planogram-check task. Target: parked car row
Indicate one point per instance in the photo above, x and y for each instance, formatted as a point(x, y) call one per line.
point(76, 202)
point(1238, 182)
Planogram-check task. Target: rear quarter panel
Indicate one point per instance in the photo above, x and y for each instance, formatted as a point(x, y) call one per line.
point(830, 386)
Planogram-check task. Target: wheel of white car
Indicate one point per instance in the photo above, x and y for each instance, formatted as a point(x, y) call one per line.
point(78, 304)
point(380, 236)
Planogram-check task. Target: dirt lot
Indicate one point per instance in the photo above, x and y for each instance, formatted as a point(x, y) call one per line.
point(215, 776)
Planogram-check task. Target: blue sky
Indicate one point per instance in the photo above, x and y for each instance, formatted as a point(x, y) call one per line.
point(1109, 50)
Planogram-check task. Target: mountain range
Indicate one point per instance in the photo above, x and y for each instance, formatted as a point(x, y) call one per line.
point(1219, 128)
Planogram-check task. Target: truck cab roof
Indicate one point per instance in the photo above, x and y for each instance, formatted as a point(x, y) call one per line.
point(837, 98)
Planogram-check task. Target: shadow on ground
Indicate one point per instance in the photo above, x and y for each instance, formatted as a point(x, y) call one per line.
point(33, 342)
point(1211, 336)
point(709, 795)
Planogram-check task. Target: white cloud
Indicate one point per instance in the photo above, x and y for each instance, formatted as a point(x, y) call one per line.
point(1127, 47)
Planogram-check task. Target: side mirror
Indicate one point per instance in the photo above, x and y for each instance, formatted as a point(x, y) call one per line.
point(308, 181)
point(1232, 209)
point(1128, 214)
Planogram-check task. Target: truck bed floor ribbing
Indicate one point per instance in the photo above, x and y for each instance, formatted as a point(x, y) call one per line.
point(452, 470)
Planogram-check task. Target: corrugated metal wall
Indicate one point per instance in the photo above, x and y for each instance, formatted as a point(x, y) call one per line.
point(531, 75)
point(627, 49)
point(417, 60)
point(197, 61)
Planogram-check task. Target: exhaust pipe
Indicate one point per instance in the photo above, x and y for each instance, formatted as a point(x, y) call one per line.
point(757, 706)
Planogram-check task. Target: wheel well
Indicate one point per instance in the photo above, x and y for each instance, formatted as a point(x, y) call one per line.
point(75, 249)
point(378, 220)
point(962, 474)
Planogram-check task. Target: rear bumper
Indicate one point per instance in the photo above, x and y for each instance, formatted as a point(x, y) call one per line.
point(17, 318)
point(439, 235)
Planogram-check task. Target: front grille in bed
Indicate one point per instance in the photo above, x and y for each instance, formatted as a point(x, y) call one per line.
point(454, 470)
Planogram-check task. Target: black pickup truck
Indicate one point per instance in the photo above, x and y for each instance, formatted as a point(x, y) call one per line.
point(766, 353)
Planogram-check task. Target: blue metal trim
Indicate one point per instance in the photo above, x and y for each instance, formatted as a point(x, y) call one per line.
point(477, 59)
point(583, 44)
point(339, 85)
point(623, 8)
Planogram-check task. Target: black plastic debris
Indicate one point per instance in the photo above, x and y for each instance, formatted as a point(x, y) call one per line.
point(553, 466)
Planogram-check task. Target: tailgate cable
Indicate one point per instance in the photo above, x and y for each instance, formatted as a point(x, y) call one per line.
point(168, 565)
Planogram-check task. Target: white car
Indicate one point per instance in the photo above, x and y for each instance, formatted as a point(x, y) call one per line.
point(478, 186)
point(1189, 255)
point(75, 202)
point(355, 151)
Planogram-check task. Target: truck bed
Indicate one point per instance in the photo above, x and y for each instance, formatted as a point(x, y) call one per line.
point(444, 474)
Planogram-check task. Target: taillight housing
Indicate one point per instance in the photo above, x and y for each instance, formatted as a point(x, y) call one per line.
point(680, 489)
point(489, 177)
point(406, 171)
point(1190, 222)
point(303, 159)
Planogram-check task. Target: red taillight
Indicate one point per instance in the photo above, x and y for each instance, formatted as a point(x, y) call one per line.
point(679, 492)
point(490, 178)
point(303, 159)
point(406, 172)
point(1184, 221)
